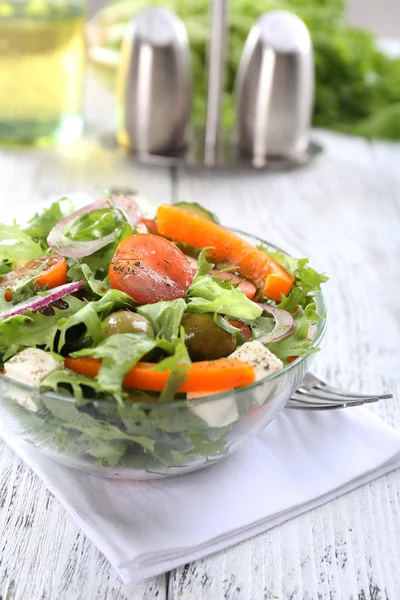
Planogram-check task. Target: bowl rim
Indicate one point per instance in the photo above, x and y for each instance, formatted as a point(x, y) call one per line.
point(185, 403)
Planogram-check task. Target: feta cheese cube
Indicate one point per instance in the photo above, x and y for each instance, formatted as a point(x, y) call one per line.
point(30, 367)
point(257, 355)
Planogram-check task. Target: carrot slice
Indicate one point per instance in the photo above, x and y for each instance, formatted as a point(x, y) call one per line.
point(183, 226)
point(53, 274)
point(206, 376)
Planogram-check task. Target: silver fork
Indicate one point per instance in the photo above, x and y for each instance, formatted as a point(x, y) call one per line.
point(315, 394)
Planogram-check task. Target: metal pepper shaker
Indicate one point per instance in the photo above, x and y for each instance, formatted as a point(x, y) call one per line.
point(275, 88)
point(153, 88)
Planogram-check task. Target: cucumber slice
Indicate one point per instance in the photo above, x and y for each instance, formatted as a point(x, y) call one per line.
point(195, 208)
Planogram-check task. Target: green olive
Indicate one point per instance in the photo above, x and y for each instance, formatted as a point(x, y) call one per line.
point(204, 339)
point(125, 321)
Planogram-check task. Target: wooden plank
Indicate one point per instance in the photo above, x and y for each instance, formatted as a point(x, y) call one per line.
point(342, 212)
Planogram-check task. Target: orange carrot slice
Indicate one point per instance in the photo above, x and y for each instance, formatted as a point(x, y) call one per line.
point(189, 228)
point(210, 375)
point(53, 274)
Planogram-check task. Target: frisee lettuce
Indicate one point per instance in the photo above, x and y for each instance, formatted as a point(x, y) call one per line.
point(15, 244)
point(42, 223)
point(93, 286)
point(165, 317)
point(90, 316)
point(296, 344)
point(119, 353)
point(95, 225)
point(80, 386)
point(178, 364)
point(33, 329)
point(207, 294)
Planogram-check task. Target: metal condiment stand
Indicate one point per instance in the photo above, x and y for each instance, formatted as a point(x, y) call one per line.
point(277, 46)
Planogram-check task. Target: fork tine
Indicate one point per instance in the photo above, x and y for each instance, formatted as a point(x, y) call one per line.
point(311, 402)
point(311, 382)
point(294, 402)
point(332, 390)
point(303, 406)
point(335, 398)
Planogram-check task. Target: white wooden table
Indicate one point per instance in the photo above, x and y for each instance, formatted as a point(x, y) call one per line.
point(344, 213)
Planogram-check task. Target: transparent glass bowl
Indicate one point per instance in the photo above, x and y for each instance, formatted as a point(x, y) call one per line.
point(148, 440)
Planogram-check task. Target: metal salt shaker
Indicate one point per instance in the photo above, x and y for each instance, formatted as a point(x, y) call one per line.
point(153, 89)
point(275, 89)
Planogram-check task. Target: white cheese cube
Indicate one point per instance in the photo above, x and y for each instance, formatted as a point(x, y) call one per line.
point(257, 355)
point(30, 367)
point(217, 413)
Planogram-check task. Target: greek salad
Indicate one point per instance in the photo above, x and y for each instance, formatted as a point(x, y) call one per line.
point(126, 315)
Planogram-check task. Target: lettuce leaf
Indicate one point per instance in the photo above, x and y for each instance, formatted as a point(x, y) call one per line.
point(79, 385)
point(95, 224)
point(307, 280)
point(91, 315)
point(119, 353)
point(165, 317)
point(179, 364)
point(207, 294)
point(15, 244)
point(295, 344)
point(42, 223)
point(93, 286)
point(34, 329)
point(203, 266)
point(300, 303)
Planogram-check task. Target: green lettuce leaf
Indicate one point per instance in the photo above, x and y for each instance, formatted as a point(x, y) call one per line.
point(77, 384)
point(119, 353)
point(33, 329)
point(91, 315)
point(295, 344)
point(307, 280)
point(15, 244)
point(5, 267)
point(207, 294)
point(179, 364)
point(165, 317)
point(42, 223)
point(93, 287)
point(203, 266)
point(262, 326)
point(95, 224)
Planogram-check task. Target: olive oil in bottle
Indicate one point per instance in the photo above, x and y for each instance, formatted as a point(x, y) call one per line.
point(41, 72)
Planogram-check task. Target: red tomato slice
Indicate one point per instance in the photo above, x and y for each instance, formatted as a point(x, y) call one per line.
point(150, 224)
point(244, 329)
point(53, 274)
point(149, 268)
point(248, 288)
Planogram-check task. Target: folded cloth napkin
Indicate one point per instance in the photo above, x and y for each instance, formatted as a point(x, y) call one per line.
point(300, 461)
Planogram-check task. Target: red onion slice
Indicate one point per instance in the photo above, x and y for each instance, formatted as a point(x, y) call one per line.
point(284, 324)
point(37, 302)
point(61, 244)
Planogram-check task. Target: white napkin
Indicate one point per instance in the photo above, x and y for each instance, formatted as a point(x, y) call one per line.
point(299, 462)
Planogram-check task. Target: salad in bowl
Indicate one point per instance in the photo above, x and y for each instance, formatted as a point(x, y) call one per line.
point(140, 347)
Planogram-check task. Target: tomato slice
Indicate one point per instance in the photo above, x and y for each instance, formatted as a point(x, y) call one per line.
point(53, 274)
point(150, 224)
point(244, 329)
point(246, 286)
point(149, 268)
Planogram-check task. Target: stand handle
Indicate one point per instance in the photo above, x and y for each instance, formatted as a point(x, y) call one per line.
point(216, 78)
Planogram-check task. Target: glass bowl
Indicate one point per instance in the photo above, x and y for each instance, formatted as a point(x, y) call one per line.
point(148, 440)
